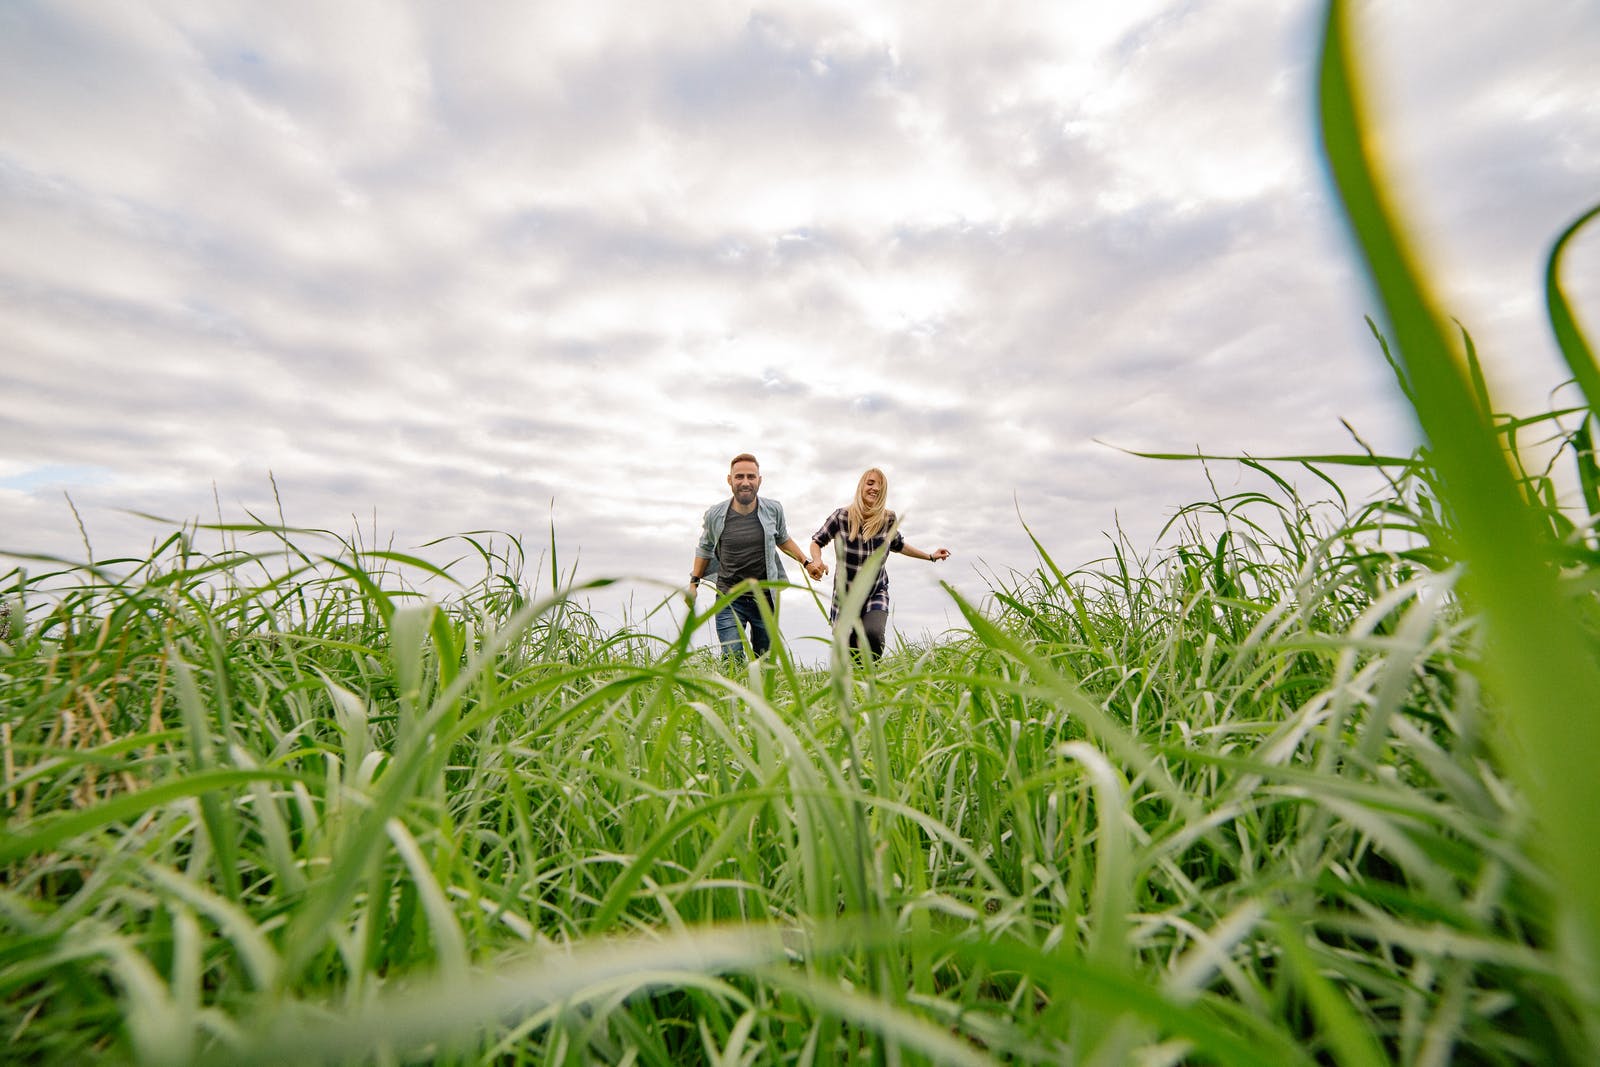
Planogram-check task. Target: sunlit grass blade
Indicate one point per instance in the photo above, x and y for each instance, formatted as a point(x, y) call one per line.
point(46, 834)
point(410, 1020)
point(1536, 654)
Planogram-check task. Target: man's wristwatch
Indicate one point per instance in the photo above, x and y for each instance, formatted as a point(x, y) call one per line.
point(694, 579)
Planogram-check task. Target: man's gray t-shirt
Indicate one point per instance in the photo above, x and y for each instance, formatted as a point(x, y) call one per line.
point(742, 552)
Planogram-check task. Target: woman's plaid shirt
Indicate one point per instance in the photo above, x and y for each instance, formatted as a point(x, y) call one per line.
point(853, 552)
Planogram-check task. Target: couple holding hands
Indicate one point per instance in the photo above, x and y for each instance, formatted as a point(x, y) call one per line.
point(741, 537)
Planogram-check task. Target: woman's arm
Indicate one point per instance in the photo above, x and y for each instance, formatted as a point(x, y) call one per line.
point(815, 567)
point(932, 557)
point(825, 533)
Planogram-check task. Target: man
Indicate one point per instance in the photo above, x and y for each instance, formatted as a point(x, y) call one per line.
point(740, 541)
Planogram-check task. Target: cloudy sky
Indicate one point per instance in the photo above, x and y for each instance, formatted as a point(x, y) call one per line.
point(446, 267)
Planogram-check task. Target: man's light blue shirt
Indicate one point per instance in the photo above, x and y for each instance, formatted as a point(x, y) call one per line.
point(773, 529)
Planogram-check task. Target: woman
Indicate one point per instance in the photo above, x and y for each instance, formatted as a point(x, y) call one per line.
point(861, 529)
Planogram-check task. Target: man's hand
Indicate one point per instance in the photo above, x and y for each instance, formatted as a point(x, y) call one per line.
point(816, 568)
point(688, 595)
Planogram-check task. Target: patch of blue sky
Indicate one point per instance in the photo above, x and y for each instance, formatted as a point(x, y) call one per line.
point(55, 475)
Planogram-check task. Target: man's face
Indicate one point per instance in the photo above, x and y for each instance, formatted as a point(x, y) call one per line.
point(745, 479)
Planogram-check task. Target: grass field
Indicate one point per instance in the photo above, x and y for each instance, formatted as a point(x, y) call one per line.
point(1304, 782)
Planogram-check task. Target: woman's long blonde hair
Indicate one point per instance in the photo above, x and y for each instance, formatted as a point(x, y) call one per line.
point(867, 520)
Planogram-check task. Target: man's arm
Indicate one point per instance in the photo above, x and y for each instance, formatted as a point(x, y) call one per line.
point(787, 545)
point(792, 550)
point(697, 570)
point(702, 558)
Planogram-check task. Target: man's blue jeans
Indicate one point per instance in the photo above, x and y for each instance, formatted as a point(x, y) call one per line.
point(744, 612)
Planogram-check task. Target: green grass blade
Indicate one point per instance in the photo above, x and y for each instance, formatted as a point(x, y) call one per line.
point(1570, 339)
point(1536, 655)
point(46, 834)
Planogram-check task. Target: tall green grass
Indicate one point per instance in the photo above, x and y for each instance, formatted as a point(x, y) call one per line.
point(1271, 790)
point(1539, 655)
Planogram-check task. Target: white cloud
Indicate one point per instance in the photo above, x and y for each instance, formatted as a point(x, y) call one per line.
point(453, 264)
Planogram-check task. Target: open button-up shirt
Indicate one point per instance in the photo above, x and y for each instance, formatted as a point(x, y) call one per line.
point(773, 529)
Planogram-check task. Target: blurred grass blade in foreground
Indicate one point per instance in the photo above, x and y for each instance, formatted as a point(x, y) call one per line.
point(1537, 655)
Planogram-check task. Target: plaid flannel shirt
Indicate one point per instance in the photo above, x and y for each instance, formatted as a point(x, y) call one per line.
point(852, 553)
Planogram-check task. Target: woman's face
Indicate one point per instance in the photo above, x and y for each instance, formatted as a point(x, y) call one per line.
point(871, 488)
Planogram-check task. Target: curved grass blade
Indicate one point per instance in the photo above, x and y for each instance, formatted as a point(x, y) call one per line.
point(1574, 346)
point(1536, 656)
point(49, 833)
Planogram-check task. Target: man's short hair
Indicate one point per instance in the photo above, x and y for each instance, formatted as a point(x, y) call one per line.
point(743, 457)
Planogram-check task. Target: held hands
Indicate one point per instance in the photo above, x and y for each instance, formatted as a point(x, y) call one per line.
point(816, 568)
